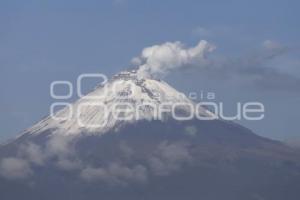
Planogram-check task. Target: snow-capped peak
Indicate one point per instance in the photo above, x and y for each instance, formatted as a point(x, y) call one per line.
point(126, 98)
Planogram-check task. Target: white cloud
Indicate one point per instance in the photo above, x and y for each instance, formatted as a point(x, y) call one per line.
point(271, 45)
point(169, 158)
point(254, 68)
point(68, 164)
point(158, 60)
point(94, 174)
point(115, 174)
point(14, 168)
point(191, 130)
point(33, 153)
point(59, 146)
point(126, 150)
point(164, 160)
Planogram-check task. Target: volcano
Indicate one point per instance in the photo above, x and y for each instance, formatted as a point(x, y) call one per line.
point(85, 152)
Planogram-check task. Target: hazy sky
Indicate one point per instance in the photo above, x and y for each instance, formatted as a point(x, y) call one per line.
point(257, 54)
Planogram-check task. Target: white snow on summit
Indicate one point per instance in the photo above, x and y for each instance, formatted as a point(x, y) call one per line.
point(95, 112)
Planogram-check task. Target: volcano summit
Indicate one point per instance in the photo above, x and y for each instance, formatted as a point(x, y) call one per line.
point(85, 152)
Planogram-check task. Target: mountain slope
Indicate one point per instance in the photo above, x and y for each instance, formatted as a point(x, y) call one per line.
point(145, 157)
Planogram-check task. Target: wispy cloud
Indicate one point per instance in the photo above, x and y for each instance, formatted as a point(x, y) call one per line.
point(60, 153)
point(15, 168)
point(202, 32)
point(159, 60)
point(250, 67)
point(254, 68)
point(169, 157)
point(116, 174)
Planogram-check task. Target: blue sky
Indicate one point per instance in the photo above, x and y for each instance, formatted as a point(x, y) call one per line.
point(42, 41)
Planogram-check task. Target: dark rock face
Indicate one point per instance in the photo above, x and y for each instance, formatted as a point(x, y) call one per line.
point(156, 160)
